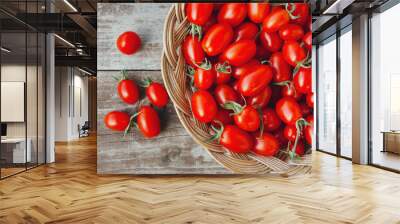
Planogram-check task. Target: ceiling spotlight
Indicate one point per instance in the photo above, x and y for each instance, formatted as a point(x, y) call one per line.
point(70, 5)
point(5, 50)
point(64, 40)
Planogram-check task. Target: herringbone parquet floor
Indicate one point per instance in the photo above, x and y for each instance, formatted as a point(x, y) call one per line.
point(69, 191)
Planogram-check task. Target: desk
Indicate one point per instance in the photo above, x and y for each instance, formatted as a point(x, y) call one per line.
point(391, 141)
point(16, 147)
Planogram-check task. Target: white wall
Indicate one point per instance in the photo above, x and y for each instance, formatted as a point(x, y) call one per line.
point(68, 82)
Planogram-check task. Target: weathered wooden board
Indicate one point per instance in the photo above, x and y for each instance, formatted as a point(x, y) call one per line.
point(172, 152)
point(146, 19)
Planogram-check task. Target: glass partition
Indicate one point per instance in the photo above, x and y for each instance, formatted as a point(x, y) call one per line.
point(13, 94)
point(22, 107)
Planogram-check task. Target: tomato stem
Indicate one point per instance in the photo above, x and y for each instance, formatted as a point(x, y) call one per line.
point(283, 83)
point(146, 82)
point(206, 65)
point(231, 105)
point(224, 68)
point(290, 12)
point(123, 76)
point(195, 30)
point(131, 123)
point(300, 123)
point(218, 132)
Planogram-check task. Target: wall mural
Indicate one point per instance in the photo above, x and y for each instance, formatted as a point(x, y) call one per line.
point(203, 88)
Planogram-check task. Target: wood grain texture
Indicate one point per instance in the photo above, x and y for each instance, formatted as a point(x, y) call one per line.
point(70, 191)
point(172, 152)
point(143, 18)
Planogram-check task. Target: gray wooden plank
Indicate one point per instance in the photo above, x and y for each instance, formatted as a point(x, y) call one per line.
point(145, 19)
point(172, 152)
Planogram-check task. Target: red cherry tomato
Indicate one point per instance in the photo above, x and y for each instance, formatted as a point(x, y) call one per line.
point(305, 110)
point(248, 119)
point(217, 38)
point(239, 52)
point(291, 32)
point(254, 82)
point(308, 133)
point(260, 100)
point(288, 110)
point(148, 122)
point(271, 120)
point(204, 107)
point(232, 13)
point(300, 148)
point(258, 11)
point(271, 41)
point(223, 73)
point(128, 42)
point(282, 71)
point(310, 100)
point(211, 22)
point(117, 121)
point(128, 91)
point(235, 85)
point(302, 80)
point(301, 12)
point(293, 53)
point(262, 53)
point(199, 13)
point(222, 116)
point(236, 140)
point(278, 134)
point(290, 133)
point(307, 40)
point(192, 51)
point(204, 78)
point(275, 20)
point(225, 93)
point(266, 145)
point(289, 90)
point(310, 119)
point(246, 31)
point(239, 71)
point(157, 94)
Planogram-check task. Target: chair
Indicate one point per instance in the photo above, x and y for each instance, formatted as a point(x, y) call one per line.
point(84, 130)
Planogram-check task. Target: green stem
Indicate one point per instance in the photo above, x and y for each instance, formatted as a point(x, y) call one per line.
point(231, 105)
point(195, 30)
point(131, 123)
point(218, 132)
point(146, 82)
point(223, 68)
point(290, 12)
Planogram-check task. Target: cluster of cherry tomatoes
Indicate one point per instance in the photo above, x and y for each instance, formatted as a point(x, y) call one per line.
point(147, 119)
point(250, 67)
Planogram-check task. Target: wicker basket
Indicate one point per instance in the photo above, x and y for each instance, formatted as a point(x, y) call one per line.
point(173, 71)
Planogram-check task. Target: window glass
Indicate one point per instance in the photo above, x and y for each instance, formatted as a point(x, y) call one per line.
point(346, 94)
point(385, 89)
point(327, 96)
